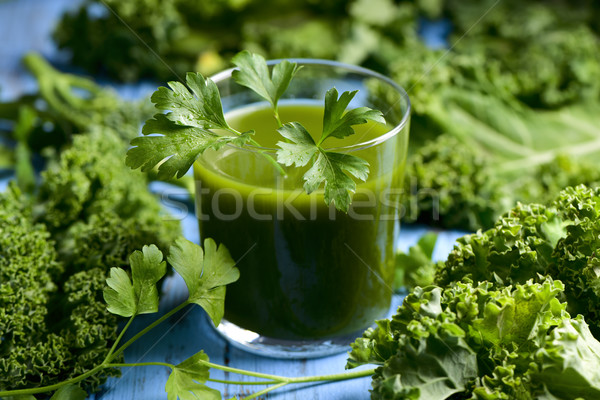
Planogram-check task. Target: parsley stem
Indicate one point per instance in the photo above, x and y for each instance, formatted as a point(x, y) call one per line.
point(148, 329)
point(171, 366)
point(116, 343)
point(269, 158)
point(142, 364)
point(276, 115)
point(242, 383)
point(49, 388)
point(267, 390)
point(333, 377)
point(315, 378)
point(276, 378)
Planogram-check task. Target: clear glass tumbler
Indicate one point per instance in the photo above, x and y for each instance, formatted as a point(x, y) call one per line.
point(311, 278)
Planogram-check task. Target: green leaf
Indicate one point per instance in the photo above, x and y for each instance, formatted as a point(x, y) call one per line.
point(568, 363)
point(187, 379)
point(301, 150)
point(178, 146)
point(328, 168)
point(205, 273)
point(204, 110)
point(374, 347)
point(207, 94)
point(119, 295)
point(416, 268)
point(147, 268)
point(69, 392)
point(125, 298)
point(337, 122)
point(436, 367)
point(23, 166)
point(253, 73)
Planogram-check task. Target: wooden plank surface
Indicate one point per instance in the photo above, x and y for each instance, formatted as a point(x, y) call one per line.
point(26, 25)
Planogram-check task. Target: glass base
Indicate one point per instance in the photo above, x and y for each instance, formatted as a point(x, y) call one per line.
point(254, 343)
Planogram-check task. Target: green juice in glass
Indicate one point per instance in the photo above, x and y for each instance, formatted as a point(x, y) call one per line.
point(307, 271)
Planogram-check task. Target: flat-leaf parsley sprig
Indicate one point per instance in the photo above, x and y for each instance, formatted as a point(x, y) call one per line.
point(205, 272)
point(174, 140)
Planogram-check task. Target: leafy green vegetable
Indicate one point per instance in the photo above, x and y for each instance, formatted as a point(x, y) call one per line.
point(253, 73)
point(187, 380)
point(206, 285)
point(99, 210)
point(328, 166)
point(125, 298)
point(416, 268)
point(474, 341)
point(447, 184)
point(69, 392)
point(184, 132)
point(89, 213)
point(337, 122)
point(54, 324)
point(200, 108)
point(534, 241)
point(179, 146)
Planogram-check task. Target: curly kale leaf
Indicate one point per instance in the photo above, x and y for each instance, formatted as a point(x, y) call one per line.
point(576, 254)
point(91, 212)
point(99, 210)
point(450, 185)
point(534, 241)
point(475, 341)
point(566, 364)
point(516, 249)
point(416, 268)
point(54, 325)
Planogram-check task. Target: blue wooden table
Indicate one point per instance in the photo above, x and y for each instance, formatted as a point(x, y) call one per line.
point(25, 25)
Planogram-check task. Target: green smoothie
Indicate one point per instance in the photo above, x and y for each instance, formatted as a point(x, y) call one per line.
point(306, 270)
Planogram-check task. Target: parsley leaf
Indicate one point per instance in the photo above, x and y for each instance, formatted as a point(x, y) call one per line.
point(187, 379)
point(205, 273)
point(329, 168)
point(174, 140)
point(301, 150)
point(69, 392)
point(147, 267)
point(125, 298)
point(204, 110)
point(119, 294)
point(338, 124)
point(253, 73)
point(179, 145)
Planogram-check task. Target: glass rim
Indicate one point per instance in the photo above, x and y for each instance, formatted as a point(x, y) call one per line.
point(227, 74)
